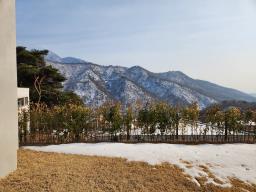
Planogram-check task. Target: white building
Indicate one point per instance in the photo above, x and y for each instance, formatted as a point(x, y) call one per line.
point(23, 99)
point(23, 105)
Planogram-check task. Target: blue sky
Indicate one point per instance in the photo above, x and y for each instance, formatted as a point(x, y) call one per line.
point(213, 40)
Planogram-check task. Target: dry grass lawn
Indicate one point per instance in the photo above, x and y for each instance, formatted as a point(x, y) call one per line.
point(51, 172)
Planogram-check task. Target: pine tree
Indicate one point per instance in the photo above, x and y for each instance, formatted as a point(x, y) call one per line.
point(45, 82)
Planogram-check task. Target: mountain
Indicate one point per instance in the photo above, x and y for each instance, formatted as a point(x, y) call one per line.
point(67, 60)
point(253, 94)
point(217, 92)
point(96, 84)
point(51, 56)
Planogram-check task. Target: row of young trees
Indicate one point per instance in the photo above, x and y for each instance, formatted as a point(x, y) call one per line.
point(156, 118)
point(230, 121)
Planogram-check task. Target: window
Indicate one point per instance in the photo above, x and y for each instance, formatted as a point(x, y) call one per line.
point(21, 102)
point(26, 100)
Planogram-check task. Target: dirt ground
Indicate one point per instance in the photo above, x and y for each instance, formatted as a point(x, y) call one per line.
point(52, 172)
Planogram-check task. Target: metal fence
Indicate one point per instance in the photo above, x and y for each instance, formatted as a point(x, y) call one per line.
point(48, 139)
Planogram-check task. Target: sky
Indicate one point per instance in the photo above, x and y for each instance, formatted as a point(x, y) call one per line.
point(213, 40)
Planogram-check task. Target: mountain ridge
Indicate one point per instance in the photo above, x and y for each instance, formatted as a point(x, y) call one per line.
point(53, 57)
point(97, 84)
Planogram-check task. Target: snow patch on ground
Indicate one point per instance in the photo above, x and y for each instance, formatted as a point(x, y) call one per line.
point(224, 161)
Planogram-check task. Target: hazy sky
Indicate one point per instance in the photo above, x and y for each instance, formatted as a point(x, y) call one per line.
point(213, 40)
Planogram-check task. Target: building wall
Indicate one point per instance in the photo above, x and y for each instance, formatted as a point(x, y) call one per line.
point(22, 94)
point(8, 86)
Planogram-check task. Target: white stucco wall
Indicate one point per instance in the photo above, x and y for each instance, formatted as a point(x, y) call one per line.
point(8, 87)
point(23, 93)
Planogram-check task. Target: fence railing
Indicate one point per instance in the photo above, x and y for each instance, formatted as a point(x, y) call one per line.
point(48, 139)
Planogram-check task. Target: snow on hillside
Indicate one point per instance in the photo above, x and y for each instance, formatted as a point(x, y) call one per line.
point(125, 85)
point(53, 57)
point(96, 82)
point(224, 161)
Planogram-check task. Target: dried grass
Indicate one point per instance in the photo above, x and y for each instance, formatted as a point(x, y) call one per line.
point(51, 172)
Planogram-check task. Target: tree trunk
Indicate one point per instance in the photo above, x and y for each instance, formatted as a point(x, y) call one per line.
point(226, 130)
point(177, 130)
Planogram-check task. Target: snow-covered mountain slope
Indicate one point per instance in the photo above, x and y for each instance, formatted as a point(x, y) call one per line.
point(68, 60)
point(217, 92)
point(96, 84)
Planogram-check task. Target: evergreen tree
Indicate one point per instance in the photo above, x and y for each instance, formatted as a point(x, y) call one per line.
point(45, 82)
point(128, 117)
point(232, 118)
point(112, 115)
point(161, 116)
